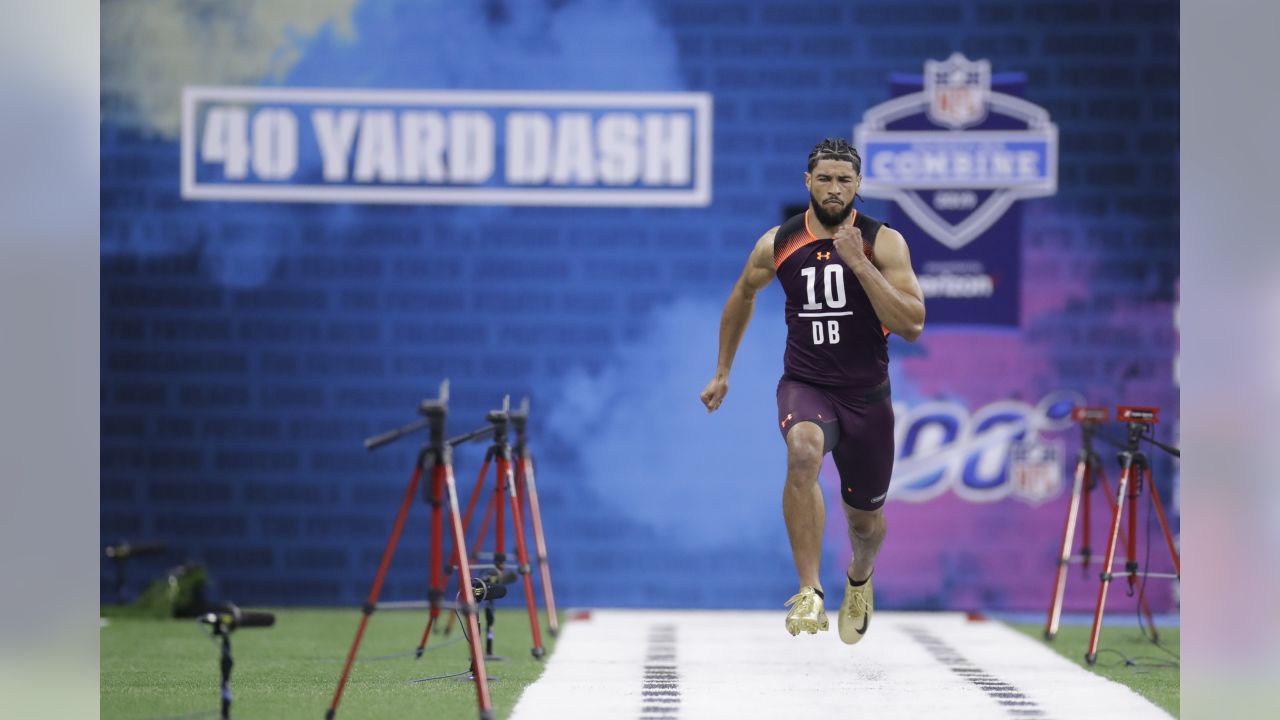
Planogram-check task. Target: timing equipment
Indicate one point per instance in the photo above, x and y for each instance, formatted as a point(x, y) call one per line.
point(435, 459)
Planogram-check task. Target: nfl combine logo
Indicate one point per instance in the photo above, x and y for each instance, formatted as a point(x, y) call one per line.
point(955, 149)
point(975, 139)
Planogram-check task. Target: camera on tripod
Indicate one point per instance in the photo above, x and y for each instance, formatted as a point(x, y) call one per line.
point(492, 586)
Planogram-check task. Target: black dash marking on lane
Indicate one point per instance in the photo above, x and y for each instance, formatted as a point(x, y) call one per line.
point(1013, 700)
point(660, 692)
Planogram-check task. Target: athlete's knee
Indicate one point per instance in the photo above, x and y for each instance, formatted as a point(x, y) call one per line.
point(866, 523)
point(804, 447)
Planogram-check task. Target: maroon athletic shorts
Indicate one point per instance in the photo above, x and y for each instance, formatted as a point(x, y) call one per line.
point(858, 429)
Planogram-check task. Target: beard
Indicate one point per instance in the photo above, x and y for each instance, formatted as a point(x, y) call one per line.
point(827, 217)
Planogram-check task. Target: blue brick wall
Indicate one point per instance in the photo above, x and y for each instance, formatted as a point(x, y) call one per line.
point(248, 348)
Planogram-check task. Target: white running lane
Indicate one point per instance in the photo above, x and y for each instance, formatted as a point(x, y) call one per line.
point(695, 665)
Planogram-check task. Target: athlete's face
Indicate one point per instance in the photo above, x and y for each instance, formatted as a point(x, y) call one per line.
point(832, 185)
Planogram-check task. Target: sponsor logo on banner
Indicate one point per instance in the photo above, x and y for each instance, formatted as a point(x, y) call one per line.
point(954, 151)
point(980, 455)
point(446, 147)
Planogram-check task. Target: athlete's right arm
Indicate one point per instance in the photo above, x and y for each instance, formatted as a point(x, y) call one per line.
point(755, 276)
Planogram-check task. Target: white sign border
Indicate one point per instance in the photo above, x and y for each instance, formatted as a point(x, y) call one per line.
point(698, 196)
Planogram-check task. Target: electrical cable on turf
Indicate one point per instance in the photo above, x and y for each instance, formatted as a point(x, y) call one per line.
point(1133, 661)
point(409, 653)
point(465, 636)
point(442, 677)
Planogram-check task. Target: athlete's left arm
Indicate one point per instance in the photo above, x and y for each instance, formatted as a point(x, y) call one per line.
point(890, 283)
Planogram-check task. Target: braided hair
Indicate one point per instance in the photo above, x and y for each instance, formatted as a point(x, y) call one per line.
point(835, 149)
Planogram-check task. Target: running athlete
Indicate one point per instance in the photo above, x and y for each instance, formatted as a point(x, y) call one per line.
point(849, 283)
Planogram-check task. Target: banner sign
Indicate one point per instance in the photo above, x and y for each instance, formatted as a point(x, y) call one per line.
point(954, 151)
point(999, 450)
point(446, 147)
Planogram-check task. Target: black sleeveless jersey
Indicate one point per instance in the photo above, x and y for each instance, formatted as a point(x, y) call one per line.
point(833, 334)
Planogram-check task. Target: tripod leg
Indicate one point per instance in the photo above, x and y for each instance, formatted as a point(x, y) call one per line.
point(522, 557)
point(1131, 564)
point(1064, 556)
point(500, 488)
point(1164, 525)
point(1131, 547)
point(1131, 532)
point(476, 491)
point(525, 481)
point(478, 543)
point(1168, 537)
point(435, 590)
point(471, 503)
point(372, 601)
point(468, 603)
point(1092, 655)
point(1090, 483)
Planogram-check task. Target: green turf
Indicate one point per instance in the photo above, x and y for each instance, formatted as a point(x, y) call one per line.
point(153, 669)
point(1150, 671)
point(165, 669)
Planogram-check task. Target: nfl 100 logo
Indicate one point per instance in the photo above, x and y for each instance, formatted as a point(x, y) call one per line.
point(954, 150)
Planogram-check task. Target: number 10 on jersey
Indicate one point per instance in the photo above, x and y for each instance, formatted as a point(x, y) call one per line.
point(825, 331)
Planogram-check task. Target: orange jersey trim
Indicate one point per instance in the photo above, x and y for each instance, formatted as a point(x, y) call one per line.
point(799, 240)
point(852, 216)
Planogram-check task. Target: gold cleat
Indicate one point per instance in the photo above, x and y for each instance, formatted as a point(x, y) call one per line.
point(807, 612)
point(855, 611)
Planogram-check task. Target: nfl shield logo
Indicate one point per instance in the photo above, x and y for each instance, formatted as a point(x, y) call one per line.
point(1035, 470)
point(957, 89)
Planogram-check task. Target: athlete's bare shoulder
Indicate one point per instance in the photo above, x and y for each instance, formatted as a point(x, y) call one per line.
point(759, 271)
point(893, 259)
point(762, 253)
point(889, 235)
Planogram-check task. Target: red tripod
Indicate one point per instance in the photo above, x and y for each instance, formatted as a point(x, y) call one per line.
point(1088, 472)
point(504, 495)
point(527, 493)
point(435, 458)
point(1135, 471)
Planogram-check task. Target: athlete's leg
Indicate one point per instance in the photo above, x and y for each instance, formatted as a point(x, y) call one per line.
point(866, 535)
point(802, 504)
point(806, 418)
point(864, 458)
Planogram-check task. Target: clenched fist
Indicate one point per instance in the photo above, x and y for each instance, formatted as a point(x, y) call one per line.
point(848, 241)
point(713, 394)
